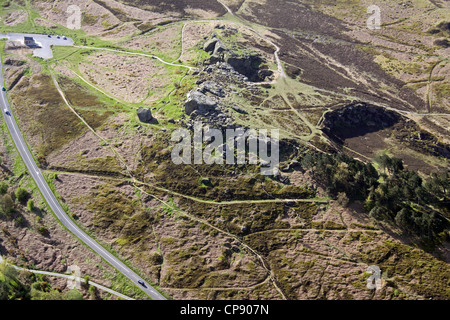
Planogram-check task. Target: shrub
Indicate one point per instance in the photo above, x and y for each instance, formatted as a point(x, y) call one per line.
point(73, 294)
point(6, 205)
point(3, 187)
point(21, 194)
point(86, 279)
point(30, 205)
point(19, 221)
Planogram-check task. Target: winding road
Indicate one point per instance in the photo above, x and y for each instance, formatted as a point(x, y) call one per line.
point(54, 204)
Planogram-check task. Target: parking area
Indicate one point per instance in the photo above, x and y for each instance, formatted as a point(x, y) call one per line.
point(40, 42)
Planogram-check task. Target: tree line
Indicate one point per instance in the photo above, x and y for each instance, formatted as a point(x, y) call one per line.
point(394, 194)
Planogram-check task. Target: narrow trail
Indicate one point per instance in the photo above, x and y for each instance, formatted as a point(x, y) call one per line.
point(137, 54)
point(241, 242)
point(121, 160)
point(61, 93)
point(98, 89)
point(169, 96)
point(165, 203)
point(67, 276)
point(165, 190)
point(251, 287)
point(138, 185)
point(281, 72)
point(182, 45)
point(429, 85)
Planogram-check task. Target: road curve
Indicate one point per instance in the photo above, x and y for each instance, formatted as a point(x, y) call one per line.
point(53, 202)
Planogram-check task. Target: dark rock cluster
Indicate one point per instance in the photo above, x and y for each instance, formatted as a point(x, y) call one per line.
point(222, 74)
point(250, 65)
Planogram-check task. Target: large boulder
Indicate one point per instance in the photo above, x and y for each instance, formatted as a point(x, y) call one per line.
point(210, 45)
point(197, 101)
point(239, 109)
point(145, 115)
point(219, 48)
point(216, 48)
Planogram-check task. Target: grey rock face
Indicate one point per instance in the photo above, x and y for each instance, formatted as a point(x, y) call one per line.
point(247, 65)
point(212, 87)
point(197, 101)
point(219, 48)
point(239, 109)
point(145, 115)
point(210, 45)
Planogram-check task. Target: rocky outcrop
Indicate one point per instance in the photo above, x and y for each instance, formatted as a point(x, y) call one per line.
point(225, 73)
point(210, 45)
point(145, 115)
point(213, 88)
point(239, 109)
point(219, 48)
point(250, 65)
point(199, 102)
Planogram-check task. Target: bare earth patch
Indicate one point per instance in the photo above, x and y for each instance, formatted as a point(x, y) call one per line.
point(15, 17)
point(166, 41)
point(130, 78)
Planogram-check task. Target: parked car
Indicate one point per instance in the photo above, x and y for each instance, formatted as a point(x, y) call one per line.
point(3, 89)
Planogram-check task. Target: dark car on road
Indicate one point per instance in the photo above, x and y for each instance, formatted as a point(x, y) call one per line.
point(3, 89)
point(142, 283)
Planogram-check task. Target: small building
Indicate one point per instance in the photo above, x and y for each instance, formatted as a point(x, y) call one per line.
point(29, 41)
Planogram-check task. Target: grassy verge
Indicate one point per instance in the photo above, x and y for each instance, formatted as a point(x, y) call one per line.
point(50, 178)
